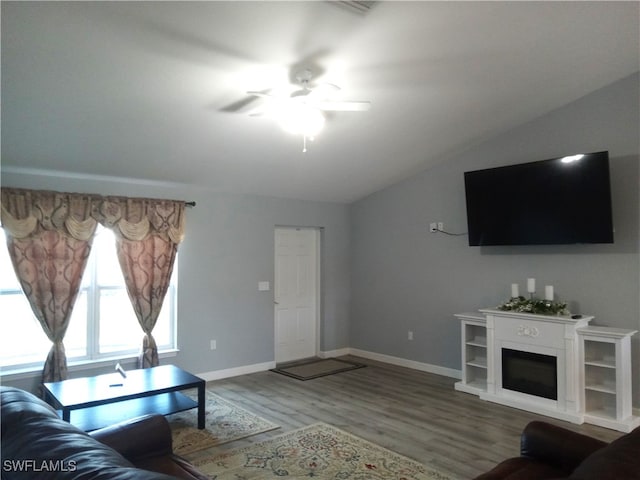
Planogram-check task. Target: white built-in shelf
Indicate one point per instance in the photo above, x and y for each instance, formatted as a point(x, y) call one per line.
point(474, 353)
point(478, 385)
point(478, 363)
point(602, 388)
point(478, 342)
point(606, 361)
point(602, 415)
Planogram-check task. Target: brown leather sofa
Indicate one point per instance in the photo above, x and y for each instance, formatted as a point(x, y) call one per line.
point(551, 452)
point(36, 443)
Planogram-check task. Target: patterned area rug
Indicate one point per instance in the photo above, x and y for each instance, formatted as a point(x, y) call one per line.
point(318, 451)
point(224, 422)
point(316, 368)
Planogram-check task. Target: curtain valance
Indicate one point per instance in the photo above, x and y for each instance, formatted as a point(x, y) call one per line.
point(27, 212)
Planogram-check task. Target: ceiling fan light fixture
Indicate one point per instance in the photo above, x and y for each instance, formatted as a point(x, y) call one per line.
point(302, 120)
point(301, 112)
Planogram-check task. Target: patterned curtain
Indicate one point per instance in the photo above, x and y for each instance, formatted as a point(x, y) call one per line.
point(49, 239)
point(147, 236)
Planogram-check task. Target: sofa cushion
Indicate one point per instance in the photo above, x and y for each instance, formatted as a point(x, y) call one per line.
point(620, 460)
point(557, 446)
point(174, 466)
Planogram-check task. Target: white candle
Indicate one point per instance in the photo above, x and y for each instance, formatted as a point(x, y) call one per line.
point(548, 292)
point(514, 290)
point(531, 285)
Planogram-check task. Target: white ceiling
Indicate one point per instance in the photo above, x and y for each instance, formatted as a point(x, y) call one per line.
point(142, 89)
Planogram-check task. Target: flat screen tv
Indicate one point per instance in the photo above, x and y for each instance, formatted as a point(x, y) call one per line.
point(559, 201)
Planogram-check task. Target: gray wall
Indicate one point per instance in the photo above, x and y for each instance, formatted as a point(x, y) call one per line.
point(405, 278)
point(228, 248)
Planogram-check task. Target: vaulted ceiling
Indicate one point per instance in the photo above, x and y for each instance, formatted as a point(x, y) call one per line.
point(157, 90)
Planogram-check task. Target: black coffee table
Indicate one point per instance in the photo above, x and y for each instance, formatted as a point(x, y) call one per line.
point(107, 399)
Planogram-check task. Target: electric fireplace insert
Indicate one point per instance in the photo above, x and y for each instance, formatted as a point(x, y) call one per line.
point(530, 373)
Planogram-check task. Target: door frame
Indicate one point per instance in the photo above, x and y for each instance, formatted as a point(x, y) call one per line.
point(319, 238)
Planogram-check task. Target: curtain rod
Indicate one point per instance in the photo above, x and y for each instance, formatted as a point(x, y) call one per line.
point(190, 204)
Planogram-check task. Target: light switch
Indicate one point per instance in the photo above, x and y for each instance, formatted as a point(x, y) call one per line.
point(263, 286)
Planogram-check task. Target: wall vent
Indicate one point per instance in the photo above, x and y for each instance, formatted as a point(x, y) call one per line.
point(361, 7)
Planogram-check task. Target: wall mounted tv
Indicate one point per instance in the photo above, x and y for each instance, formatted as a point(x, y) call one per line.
point(564, 200)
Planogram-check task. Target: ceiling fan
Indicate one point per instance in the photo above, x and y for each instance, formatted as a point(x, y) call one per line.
point(302, 111)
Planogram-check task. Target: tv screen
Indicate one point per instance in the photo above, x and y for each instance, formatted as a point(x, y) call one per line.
point(564, 200)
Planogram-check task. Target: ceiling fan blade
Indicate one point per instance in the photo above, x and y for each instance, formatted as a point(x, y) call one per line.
point(344, 106)
point(262, 94)
point(323, 91)
point(244, 103)
point(327, 87)
point(304, 92)
point(238, 105)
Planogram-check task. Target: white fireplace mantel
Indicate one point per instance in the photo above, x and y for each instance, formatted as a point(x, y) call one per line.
point(545, 334)
point(608, 361)
point(562, 319)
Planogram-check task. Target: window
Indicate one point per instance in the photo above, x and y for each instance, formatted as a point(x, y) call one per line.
point(103, 324)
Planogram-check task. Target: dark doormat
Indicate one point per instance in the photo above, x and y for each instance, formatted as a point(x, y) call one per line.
point(316, 368)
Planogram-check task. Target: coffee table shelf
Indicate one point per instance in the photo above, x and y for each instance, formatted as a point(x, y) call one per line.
point(92, 418)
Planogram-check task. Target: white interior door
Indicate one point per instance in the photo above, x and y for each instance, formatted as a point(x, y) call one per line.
point(295, 293)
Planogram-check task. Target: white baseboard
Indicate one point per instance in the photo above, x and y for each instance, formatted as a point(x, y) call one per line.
point(341, 352)
point(236, 371)
point(403, 362)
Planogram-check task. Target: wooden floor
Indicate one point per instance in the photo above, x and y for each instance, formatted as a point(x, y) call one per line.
point(414, 413)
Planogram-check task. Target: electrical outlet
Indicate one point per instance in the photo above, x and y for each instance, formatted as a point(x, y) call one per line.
point(213, 345)
point(409, 335)
point(440, 226)
point(433, 227)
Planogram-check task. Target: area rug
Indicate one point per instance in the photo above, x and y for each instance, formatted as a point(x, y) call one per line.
point(317, 368)
point(318, 451)
point(224, 423)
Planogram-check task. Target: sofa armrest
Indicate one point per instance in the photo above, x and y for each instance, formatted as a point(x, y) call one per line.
point(557, 446)
point(141, 437)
